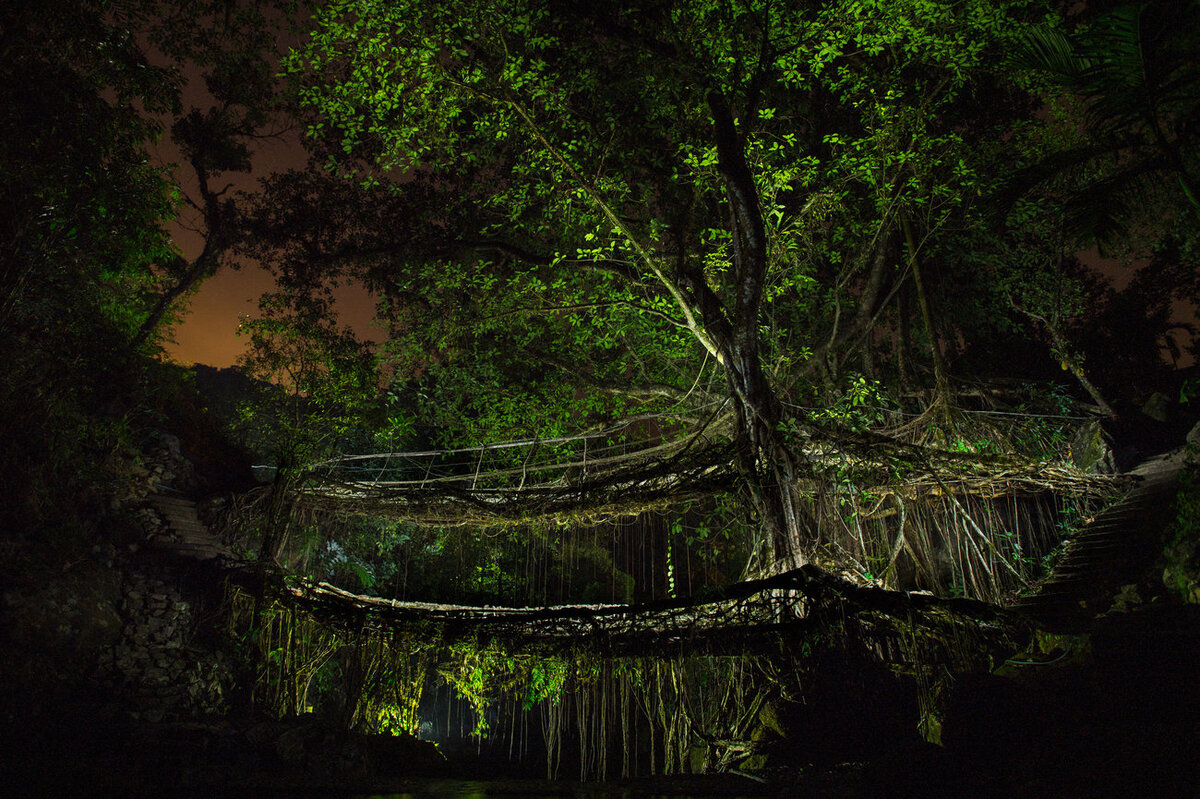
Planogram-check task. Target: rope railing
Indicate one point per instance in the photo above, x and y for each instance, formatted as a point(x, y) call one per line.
point(519, 442)
point(529, 463)
point(622, 465)
point(645, 463)
point(969, 411)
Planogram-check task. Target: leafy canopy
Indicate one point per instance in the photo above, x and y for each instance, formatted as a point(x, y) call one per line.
point(588, 212)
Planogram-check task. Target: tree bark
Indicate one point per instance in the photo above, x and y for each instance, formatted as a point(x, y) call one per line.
point(940, 374)
point(901, 337)
point(764, 458)
point(205, 264)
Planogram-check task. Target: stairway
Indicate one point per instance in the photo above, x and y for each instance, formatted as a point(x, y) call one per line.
point(191, 538)
point(1117, 548)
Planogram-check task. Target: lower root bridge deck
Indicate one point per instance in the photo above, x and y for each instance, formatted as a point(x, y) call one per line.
point(753, 616)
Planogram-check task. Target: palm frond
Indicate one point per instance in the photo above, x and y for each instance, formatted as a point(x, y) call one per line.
point(1101, 212)
point(1048, 50)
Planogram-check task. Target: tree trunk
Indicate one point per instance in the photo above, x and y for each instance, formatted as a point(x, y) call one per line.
point(940, 374)
point(1070, 362)
point(190, 275)
point(278, 515)
point(903, 369)
point(767, 465)
point(764, 459)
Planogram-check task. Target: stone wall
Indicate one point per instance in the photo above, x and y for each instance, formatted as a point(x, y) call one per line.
point(155, 669)
point(117, 624)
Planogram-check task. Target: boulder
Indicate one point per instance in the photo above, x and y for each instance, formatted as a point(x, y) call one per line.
point(1158, 407)
point(1090, 450)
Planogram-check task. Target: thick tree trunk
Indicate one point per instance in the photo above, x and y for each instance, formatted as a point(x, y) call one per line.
point(277, 517)
point(766, 462)
point(901, 338)
point(767, 465)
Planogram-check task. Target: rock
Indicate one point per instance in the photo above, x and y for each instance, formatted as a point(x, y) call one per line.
point(1158, 407)
point(75, 617)
point(172, 445)
point(1181, 574)
point(290, 745)
point(399, 755)
point(768, 716)
point(1126, 600)
point(1090, 450)
point(698, 759)
point(1181, 555)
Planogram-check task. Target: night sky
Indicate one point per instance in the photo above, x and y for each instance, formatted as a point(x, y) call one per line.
point(208, 331)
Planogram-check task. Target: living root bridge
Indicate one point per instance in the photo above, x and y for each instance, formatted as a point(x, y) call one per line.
point(649, 479)
point(759, 616)
point(589, 477)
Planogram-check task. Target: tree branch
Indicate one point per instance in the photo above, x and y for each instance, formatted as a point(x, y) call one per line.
point(695, 326)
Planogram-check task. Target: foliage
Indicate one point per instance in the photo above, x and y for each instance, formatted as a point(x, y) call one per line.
point(648, 208)
point(484, 674)
point(862, 406)
point(1181, 555)
point(577, 157)
point(230, 47)
point(1133, 68)
point(81, 221)
point(88, 272)
point(317, 381)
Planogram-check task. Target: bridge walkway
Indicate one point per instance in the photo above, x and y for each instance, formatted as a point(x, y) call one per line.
point(1116, 549)
point(189, 537)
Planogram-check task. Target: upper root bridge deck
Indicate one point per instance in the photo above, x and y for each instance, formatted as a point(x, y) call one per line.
point(641, 464)
point(618, 469)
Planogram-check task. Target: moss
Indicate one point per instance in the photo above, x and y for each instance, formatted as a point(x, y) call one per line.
point(768, 717)
point(1181, 555)
point(1089, 449)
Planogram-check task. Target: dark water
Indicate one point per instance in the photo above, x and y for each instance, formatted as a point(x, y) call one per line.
point(652, 789)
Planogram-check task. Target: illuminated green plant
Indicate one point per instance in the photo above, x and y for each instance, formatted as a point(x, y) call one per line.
point(861, 405)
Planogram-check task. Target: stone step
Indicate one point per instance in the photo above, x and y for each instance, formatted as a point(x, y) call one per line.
point(180, 526)
point(193, 539)
point(178, 515)
point(169, 506)
point(1119, 544)
point(173, 499)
